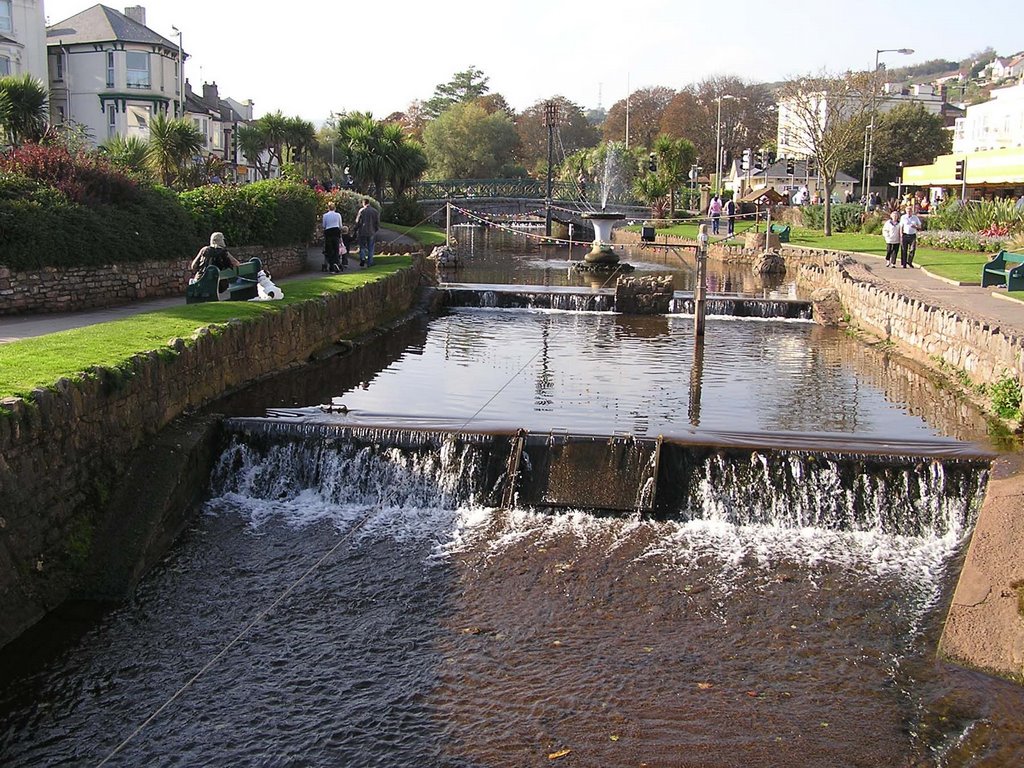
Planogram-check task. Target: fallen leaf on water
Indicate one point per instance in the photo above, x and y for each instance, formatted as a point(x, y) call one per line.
point(471, 631)
point(705, 686)
point(557, 643)
point(648, 648)
point(752, 693)
point(614, 737)
point(824, 725)
point(558, 754)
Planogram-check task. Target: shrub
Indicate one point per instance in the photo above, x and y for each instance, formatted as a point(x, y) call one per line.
point(40, 226)
point(405, 210)
point(845, 217)
point(1006, 396)
point(273, 212)
point(978, 216)
point(82, 178)
point(346, 202)
point(960, 241)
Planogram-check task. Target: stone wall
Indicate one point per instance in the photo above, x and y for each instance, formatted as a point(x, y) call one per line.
point(68, 289)
point(927, 332)
point(63, 453)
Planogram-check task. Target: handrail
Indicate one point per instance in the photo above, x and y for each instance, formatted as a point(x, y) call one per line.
point(531, 189)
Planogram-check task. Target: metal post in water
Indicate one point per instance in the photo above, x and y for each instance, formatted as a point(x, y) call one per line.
point(550, 113)
point(696, 381)
point(700, 289)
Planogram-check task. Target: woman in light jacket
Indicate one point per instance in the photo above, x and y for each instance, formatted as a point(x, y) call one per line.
point(891, 235)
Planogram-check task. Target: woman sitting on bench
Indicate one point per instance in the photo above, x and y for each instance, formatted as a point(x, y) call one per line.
point(217, 254)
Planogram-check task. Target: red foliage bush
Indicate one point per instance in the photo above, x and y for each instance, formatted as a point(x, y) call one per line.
point(84, 179)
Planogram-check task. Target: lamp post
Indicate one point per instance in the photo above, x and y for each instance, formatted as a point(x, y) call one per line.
point(550, 115)
point(181, 75)
point(718, 141)
point(870, 139)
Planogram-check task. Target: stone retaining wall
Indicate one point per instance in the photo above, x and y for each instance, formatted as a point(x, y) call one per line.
point(69, 289)
point(930, 333)
point(63, 453)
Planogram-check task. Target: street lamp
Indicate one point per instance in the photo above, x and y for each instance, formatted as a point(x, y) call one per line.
point(870, 139)
point(718, 140)
point(181, 74)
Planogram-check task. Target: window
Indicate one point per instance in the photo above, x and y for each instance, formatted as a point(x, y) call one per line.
point(138, 118)
point(60, 66)
point(6, 19)
point(60, 115)
point(5, 66)
point(110, 69)
point(111, 121)
point(137, 65)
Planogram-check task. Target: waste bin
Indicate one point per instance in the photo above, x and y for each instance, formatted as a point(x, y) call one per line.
point(782, 230)
point(647, 233)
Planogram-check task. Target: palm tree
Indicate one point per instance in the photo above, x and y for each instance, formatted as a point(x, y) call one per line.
point(23, 109)
point(172, 143)
point(408, 163)
point(675, 157)
point(129, 153)
point(300, 140)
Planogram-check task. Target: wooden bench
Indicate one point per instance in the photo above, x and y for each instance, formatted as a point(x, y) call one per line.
point(1007, 269)
point(241, 283)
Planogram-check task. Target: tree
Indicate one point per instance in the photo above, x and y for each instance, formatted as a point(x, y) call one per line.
point(748, 116)
point(129, 153)
point(299, 142)
point(379, 153)
point(908, 134)
point(465, 142)
point(572, 132)
point(645, 109)
point(172, 145)
point(826, 115)
point(674, 158)
point(266, 134)
point(465, 86)
point(253, 141)
point(22, 108)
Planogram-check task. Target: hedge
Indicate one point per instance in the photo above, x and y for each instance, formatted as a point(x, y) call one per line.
point(40, 226)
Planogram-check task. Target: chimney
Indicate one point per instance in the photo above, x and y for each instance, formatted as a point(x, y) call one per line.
point(136, 13)
point(210, 93)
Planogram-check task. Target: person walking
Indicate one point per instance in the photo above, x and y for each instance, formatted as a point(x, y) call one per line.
point(332, 239)
point(367, 224)
point(715, 211)
point(730, 215)
point(910, 225)
point(892, 236)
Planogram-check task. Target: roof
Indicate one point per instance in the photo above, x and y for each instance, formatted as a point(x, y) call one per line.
point(777, 170)
point(101, 24)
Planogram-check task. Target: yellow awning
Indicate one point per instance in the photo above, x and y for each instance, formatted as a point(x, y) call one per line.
point(995, 166)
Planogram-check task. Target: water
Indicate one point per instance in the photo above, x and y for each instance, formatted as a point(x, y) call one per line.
point(492, 255)
point(337, 605)
point(431, 632)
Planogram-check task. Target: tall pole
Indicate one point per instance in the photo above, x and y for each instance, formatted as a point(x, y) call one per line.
point(550, 112)
point(700, 289)
point(627, 110)
point(718, 147)
point(181, 75)
point(870, 139)
point(448, 224)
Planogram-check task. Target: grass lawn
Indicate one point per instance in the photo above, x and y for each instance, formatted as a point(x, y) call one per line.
point(41, 361)
point(426, 235)
point(962, 266)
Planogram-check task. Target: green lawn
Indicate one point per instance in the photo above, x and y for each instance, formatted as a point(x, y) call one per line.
point(41, 361)
point(426, 235)
point(962, 266)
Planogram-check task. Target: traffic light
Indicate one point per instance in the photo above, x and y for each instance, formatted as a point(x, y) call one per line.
point(746, 160)
point(960, 169)
point(789, 166)
point(812, 166)
point(652, 163)
point(769, 157)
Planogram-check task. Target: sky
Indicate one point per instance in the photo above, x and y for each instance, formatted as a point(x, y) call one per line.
point(311, 58)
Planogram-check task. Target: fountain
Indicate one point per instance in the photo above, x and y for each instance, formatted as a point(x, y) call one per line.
point(602, 255)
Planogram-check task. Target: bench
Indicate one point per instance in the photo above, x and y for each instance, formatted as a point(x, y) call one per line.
point(241, 283)
point(1007, 269)
point(782, 230)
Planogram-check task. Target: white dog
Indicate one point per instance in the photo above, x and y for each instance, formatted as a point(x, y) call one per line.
point(266, 290)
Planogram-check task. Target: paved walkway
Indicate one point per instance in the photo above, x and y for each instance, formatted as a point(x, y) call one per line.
point(969, 301)
point(28, 326)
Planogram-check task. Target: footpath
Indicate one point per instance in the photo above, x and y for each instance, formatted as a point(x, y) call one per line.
point(28, 326)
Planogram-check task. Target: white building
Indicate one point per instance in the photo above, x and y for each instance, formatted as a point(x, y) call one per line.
point(23, 38)
point(218, 120)
point(792, 134)
point(994, 124)
point(110, 73)
point(777, 176)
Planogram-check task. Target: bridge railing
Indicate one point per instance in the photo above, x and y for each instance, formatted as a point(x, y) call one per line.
point(531, 189)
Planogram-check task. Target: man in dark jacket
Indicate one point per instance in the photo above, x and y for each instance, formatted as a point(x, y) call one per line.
point(367, 224)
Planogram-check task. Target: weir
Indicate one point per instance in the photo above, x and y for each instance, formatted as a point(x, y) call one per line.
point(918, 490)
point(603, 300)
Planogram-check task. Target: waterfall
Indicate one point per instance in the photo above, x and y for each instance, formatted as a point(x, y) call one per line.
point(894, 495)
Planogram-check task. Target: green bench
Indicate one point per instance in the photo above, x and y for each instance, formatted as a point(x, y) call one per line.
point(241, 283)
point(782, 230)
point(1007, 269)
